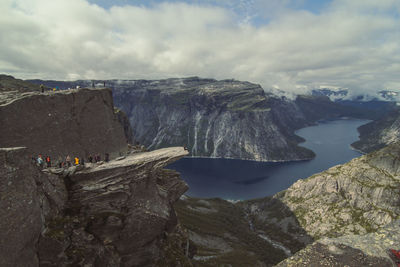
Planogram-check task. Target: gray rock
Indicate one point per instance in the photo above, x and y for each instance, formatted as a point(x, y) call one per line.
point(69, 122)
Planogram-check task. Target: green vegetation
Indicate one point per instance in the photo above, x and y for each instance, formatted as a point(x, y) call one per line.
point(227, 222)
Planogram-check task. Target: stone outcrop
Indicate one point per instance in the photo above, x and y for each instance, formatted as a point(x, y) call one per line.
point(358, 197)
point(115, 214)
point(355, 205)
point(352, 250)
point(75, 122)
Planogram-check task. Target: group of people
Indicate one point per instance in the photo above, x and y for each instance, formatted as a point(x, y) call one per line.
point(43, 88)
point(46, 161)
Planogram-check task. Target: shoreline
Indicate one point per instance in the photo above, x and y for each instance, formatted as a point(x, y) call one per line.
point(264, 161)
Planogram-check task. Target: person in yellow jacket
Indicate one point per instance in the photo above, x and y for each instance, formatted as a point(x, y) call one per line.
point(76, 161)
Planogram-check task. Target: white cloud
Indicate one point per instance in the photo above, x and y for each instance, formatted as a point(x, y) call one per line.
point(353, 44)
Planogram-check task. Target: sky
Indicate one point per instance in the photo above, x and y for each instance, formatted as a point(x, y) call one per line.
point(289, 45)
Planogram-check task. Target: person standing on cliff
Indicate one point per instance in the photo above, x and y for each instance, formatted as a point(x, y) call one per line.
point(68, 161)
point(40, 161)
point(42, 88)
point(107, 158)
point(60, 162)
point(48, 161)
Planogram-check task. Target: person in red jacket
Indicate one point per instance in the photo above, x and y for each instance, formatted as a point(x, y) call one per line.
point(48, 161)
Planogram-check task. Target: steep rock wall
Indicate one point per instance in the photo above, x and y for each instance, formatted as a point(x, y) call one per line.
point(28, 198)
point(228, 119)
point(117, 214)
point(76, 122)
point(377, 134)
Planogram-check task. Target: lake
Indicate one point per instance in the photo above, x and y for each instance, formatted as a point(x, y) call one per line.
point(243, 179)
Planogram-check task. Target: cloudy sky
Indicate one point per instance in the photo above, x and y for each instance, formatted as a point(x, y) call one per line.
point(293, 45)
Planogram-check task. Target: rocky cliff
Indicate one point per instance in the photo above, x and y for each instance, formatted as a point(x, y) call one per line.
point(76, 122)
point(351, 210)
point(224, 119)
point(227, 119)
point(379, 133)
point(27, 198)
point(355, 198)
point(116, 213)
point(351, 250)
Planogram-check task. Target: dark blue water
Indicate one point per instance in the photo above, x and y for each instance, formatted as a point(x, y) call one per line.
point(242, 179)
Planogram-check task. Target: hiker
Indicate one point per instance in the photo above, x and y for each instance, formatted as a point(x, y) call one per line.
point(42, 88)
point(185, 148)
point(107, 158)
point(104, 84)
point(33, 159)
point(48, 161)
point(90, 158)
point(60, 162)
point(93, 84)
point(82, 161)
point(76, 161)
point(40, 161)
point(68, 161)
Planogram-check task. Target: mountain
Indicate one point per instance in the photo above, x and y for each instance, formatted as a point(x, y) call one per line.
point(221, 119)
point(116, 213)
point(212, 118)
point(347, 213)
point(379, 133)
point(334, 95)
point(228, 118)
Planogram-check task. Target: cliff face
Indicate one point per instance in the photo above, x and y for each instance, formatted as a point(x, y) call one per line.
point(28, 198)
point(117, 213)
point(379, 133)
point(224, 119)
point(355, 198)
point(229, 119)
point(61, 123)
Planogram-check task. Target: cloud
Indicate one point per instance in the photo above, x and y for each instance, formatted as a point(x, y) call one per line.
point(350, 44)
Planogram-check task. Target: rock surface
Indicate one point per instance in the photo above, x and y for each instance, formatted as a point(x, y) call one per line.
point(352, 250)
point(223, 119)
point(229, 119)
point(377, 134)
point(358, 197)
point(75, 122)
point(122, 209)
point(28, 198)
point(116, 214)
